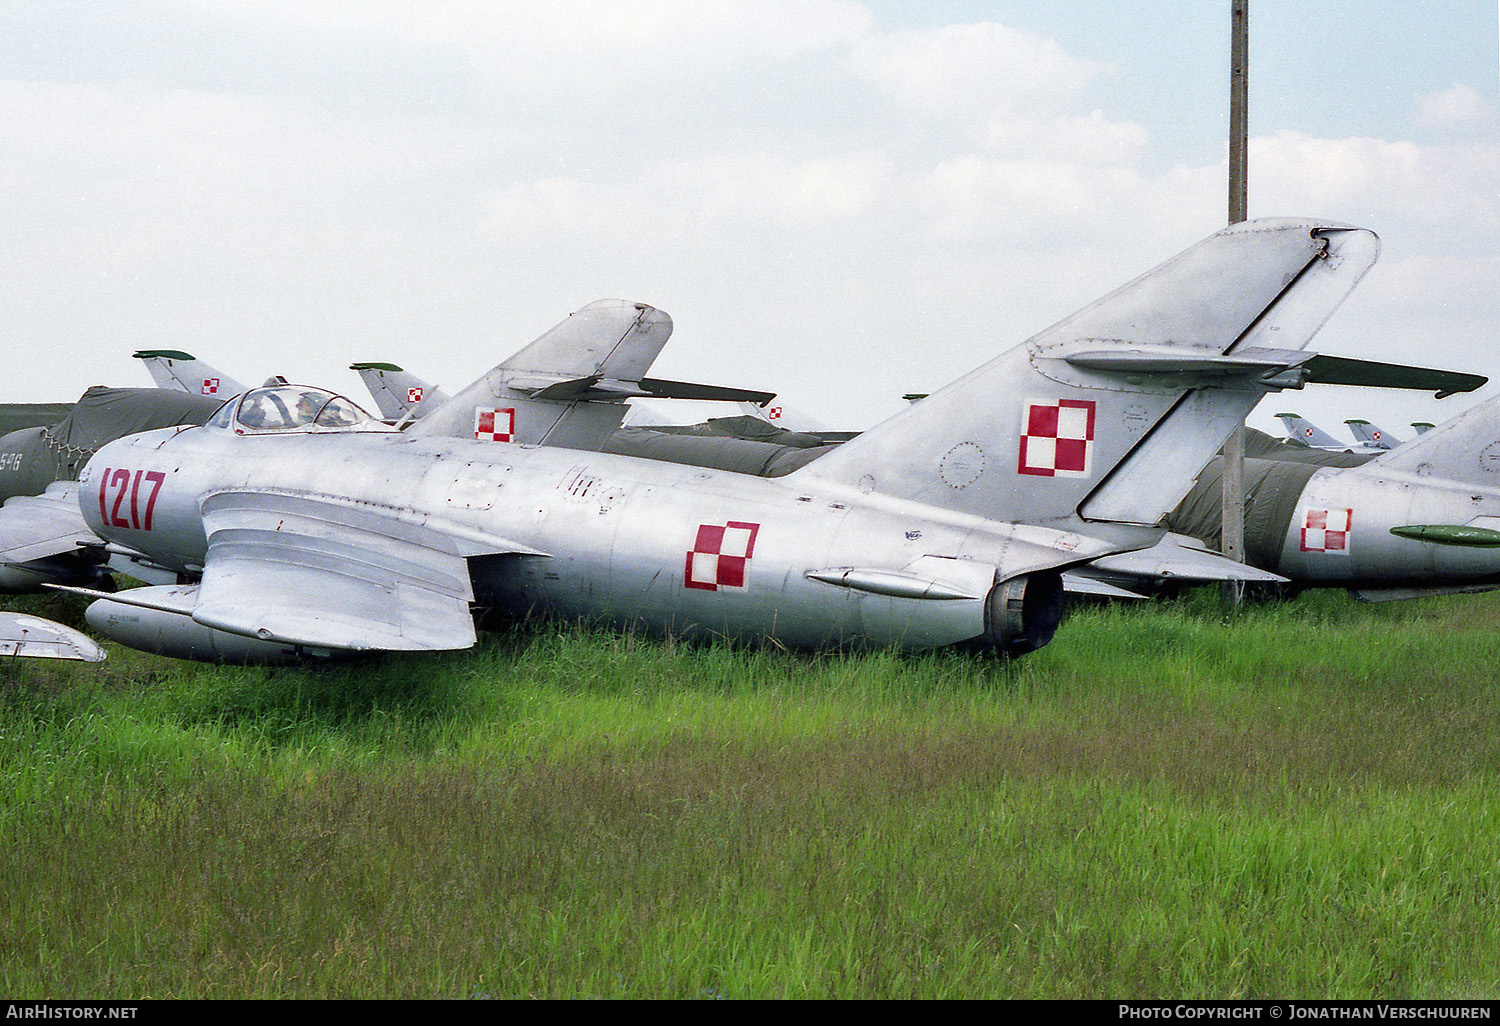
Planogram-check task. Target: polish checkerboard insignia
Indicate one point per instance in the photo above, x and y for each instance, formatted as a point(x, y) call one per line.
point(495, 425)
point(413, 395)
point(210, 386)
point(719, 556)
point(1327, 530)
point(1057, 438)
point(773, 413)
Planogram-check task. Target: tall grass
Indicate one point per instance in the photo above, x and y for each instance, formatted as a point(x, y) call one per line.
point(1167, 801)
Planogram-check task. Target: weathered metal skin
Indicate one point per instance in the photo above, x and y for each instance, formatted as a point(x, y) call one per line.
point(1391, 525)
point(1372, 501)
point(623, 529)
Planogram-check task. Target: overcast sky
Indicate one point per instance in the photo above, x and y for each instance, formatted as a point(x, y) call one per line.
point(840, 201)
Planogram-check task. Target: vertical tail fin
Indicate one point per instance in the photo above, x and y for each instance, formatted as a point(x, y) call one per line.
point(1462, 449)
point(1299, 429)
point(1111, 414)
point(398, 393)
point(568, 388)
point(183, 372)
point(1368, 434)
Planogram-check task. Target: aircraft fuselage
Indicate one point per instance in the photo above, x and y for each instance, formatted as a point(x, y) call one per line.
point(666, 547)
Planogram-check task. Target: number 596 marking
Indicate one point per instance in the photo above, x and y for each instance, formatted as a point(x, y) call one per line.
point(121, 481)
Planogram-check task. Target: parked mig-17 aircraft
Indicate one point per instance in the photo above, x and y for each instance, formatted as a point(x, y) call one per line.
point(314, 529)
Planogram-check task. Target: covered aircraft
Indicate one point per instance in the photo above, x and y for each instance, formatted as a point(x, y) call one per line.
point(311, 528)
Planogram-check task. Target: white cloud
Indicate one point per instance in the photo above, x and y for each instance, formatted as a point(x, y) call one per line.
point(1370, 180)
point(1457, 105)
point(976, 72)
point(809, 197)
point(695, 200)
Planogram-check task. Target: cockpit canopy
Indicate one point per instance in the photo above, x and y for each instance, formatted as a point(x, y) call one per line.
point(283, 408)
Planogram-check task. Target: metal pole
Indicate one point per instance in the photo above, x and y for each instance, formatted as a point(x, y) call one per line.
point(1233, 502)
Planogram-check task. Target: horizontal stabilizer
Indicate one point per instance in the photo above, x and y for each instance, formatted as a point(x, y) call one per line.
point(1340, 370)
point(1278, 367)
point(664, 389)
point(1077, 584)
point(1423, 591)
point(1178, 557)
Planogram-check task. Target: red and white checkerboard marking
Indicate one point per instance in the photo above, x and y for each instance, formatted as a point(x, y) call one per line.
point(773, 413)
point(210, 386)
point(495, 425)
point(719, 556)
point(1375, 435)
point(1307, 431)
point(1327, 530)
point(1057, 437)
point(413, 396)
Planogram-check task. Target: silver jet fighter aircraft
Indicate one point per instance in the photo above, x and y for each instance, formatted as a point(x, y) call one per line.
point(314, 529)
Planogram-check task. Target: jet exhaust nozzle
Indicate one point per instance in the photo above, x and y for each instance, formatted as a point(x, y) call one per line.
point(1021, 614)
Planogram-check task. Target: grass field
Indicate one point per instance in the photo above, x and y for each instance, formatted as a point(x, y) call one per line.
point(1298, 800)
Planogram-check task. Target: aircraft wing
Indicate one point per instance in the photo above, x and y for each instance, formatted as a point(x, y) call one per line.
point(33, 637)
point(305, 570)
point(40, 537)
point(34, 526)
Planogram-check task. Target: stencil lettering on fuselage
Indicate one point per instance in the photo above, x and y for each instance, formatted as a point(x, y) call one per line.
point(1057, 437)
point(132, 506)
point(720, 555)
